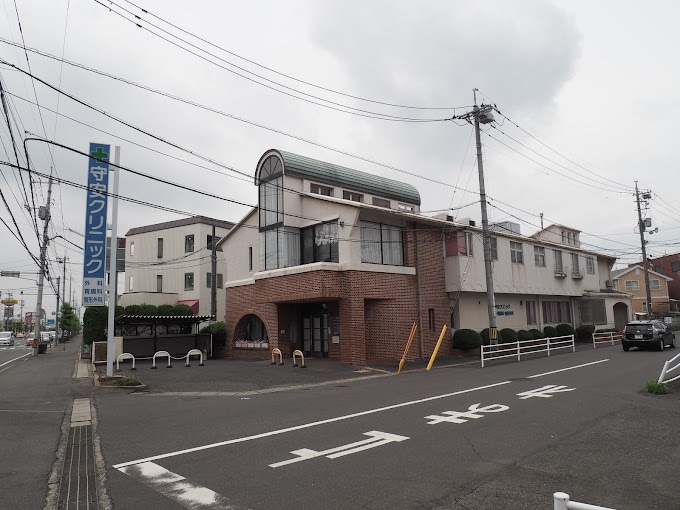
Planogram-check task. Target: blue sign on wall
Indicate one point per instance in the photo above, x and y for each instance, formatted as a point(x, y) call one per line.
point(94, 263)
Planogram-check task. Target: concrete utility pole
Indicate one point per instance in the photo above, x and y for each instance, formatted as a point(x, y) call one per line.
point(213, 280)
point(643, 244)
point(483, 115)
point(45, 216)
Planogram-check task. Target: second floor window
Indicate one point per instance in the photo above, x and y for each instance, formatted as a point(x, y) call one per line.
point(574, 263)
point(494, 248)
point(188, 281)
point(516, 255)
point(675, 267)
point(354, 197)
point(539, 256)
point(654, 284)
point(558, 261)
point(321, 190)
point(320, 243)
point(381, 202)
point(218, 280)
point(381, 244)
point(160, 247)
point(590, 265)
point(188, 243)
point(632, 285)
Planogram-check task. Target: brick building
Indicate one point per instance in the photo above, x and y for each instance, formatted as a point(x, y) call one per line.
point(340, 263)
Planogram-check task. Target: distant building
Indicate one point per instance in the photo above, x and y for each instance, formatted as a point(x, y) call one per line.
point(340, 263)
point(170, 263)
point(632, 280)
point(667, 265)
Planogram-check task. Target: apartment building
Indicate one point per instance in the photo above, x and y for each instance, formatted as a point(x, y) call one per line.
point(340, 263)
point(170, 263)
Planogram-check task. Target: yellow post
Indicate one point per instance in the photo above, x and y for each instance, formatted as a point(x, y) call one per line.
point(408, 346)
point(436, 349)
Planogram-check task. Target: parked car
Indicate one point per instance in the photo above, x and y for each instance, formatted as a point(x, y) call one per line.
point(646, 334)
point(30, 337)
point(6, 338)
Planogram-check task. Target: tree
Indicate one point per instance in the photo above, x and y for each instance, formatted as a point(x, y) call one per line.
point(69, 321)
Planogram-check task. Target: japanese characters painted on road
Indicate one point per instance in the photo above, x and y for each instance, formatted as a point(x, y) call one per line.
point(473, 412)
point(95, 225)
point(376, 438)
point(544, 392)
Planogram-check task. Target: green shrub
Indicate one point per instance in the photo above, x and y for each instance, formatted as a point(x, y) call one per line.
point(656, 387)
point(133, 310)
point(219, 332)
point(166, 310)
point(564, 329)
point(96, 322)
point(584, 333)
point(485, 336)
point(466, 339)
point(536, 334)
point(523, 335)
point(549, 331)
point(508, 335)
point(182, 309)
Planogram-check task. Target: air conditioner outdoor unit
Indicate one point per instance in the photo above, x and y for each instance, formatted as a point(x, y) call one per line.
point(609, 284)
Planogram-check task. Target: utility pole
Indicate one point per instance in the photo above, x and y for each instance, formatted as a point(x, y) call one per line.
point(213, 280)
point(63, 292)
point(482, 114)
point(56, 317)
point(643, 244)
point(44, 214)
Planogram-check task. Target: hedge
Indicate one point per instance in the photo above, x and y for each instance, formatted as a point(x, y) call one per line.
point(466, 339)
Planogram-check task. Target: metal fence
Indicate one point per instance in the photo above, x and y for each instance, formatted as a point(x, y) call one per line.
point(526, 347)
point(610, 337)
point(667, 368)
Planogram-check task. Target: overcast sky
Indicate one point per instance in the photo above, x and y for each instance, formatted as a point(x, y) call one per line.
point(587, 93)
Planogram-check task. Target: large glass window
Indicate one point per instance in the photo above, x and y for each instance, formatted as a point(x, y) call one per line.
point(271, 203)
point(632, 285)
point(593, 311)
point(279, 247)
point(320, 243)
point(532, 317)
point(381, 244)
point(556, 312)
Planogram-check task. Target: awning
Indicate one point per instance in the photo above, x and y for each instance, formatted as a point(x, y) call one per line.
point(192, 303)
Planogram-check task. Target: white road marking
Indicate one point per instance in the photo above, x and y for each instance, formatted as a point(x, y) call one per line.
point(178, 488)
point(461, 417)
point(306, 425)
point(19, 357)
point(544, 392)
point(376, 438)
point(568, 368)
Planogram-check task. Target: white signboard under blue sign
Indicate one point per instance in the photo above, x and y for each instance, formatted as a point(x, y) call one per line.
point(94, 264)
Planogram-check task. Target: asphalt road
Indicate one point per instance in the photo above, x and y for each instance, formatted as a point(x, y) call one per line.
point(505, 437)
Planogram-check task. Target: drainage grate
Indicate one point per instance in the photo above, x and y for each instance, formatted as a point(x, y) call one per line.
point(78, 483)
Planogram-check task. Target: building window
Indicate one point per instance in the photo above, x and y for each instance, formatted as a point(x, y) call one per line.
point(218, 281)
point(407, 208)
point(559, 268)
point(209, 241)
point(539, 256)
point(654, 285)
point(532, 317)
point(644, 306)
point(159, 283)
point(318, 189)
point(430, 319)
point(271, 203)
point(590, 265)
point(516, 255)
point(354, 197)
point(279, 248)
point(160, 248)
point(574, 264)
point(132, 248)
point(593, 311)
point(131, 283)
point(658, 269)
point(675, 267)
point(381, 202)
point(494, 248)
point(189, 243)
point(556, 312)
point(564, 237)
point(632, 285)
point(320, 243)
point(465, 243)
point(381, 244)
point(188, 281)
point(250, 258)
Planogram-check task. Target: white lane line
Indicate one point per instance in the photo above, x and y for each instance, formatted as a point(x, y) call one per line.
point(568, 368)
point(19, 357)
point(306, 425)
point(178, 488)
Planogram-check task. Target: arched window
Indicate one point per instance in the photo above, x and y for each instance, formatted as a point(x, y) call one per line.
point(271, 193)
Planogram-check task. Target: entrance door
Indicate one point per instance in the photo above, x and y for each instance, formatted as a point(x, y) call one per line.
point(315, 333)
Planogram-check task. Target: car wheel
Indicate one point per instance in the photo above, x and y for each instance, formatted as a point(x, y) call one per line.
point(625, 346)
point(672, 344)
point(660, 346)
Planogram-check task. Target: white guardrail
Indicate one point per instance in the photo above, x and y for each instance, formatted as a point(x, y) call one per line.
point(562, 503)
point(610, 337)
point(518, 349)
point(667, 368)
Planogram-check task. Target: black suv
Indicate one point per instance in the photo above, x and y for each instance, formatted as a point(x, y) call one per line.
point(643, 334)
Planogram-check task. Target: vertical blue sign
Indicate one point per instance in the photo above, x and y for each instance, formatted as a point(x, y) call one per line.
point(94, 264)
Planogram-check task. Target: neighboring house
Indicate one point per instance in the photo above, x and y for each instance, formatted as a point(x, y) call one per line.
point(668, 265)
point(632, 280)
point(340, 263)
point(170, 263)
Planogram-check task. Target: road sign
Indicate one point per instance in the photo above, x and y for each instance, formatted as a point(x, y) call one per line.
point(9, 302)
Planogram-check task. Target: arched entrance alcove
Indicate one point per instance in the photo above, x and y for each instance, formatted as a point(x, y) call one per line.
point(621, 315)
point(251, 328)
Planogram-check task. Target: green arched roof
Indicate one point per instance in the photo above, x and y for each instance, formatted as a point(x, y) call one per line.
point(347, 178)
